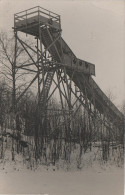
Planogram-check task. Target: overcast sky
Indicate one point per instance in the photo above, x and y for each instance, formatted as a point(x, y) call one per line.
point(93, 29)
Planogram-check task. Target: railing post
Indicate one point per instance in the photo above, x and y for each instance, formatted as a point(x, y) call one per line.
point(60, 22)
point(38, 14)
point(26, 21)
point(14, 20)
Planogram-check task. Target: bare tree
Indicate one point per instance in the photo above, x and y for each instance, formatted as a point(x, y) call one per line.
point(12, 56)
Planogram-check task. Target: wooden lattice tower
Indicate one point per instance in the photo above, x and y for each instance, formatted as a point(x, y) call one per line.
point(56, 65)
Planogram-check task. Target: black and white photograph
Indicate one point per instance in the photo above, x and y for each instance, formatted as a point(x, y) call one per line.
point(62, 97)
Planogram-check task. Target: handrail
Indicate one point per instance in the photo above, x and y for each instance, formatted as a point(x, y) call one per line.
point(24, 15)
point(48, 14)
point(49, 11)
point(26, 10)
point(39, 9)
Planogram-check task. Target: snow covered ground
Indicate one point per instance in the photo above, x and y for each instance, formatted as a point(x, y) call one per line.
point(50, 182)
point(15, 178)
point(91, 177)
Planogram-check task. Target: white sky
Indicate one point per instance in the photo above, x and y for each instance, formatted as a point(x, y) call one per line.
point(93, 29)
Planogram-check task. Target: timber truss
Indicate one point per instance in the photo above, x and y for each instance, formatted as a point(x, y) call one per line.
point(58, 73)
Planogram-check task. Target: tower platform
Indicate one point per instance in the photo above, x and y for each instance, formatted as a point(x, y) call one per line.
point(29, 20)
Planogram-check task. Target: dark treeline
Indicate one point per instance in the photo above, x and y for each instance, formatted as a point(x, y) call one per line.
point(50, 140)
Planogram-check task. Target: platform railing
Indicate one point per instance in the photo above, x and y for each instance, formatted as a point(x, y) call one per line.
point(35, 11)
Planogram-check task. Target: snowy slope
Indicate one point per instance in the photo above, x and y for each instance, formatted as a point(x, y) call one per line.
point(17, 178)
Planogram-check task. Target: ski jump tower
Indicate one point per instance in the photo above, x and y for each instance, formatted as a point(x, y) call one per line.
point(56, 65)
